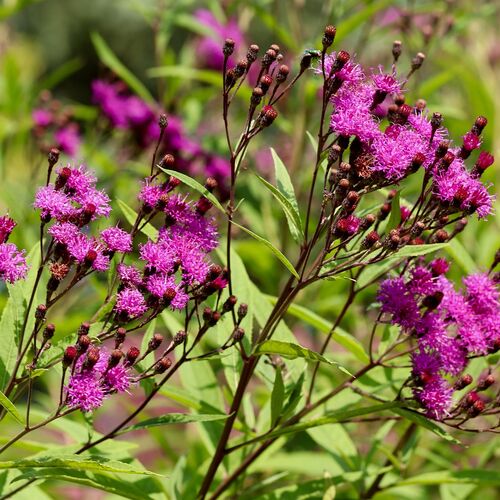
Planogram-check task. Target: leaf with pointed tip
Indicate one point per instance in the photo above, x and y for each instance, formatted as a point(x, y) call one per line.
point(131, 215)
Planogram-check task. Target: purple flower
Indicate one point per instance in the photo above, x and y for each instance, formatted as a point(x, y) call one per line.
point(150, 194)
point(397, 301)
point(435, 397)
point(482, 294)
point(53, 204)
point(129, 275)
point(347, 226)
point(471, 141)
point(6, 226)
point(439, 266)
point(385, 82)
point(350, 73)
point(130, 302)
point(209, 48)
point(68, 139)
point(13, 265)
point(117, 240)
point(85, 391)
point(117, 379)
point(421, 281)
point(164, 286)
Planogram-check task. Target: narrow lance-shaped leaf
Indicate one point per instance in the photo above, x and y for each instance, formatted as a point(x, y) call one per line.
point(277, 397)
point(10, 408)
point(271, 247)
point(108, 58)
point(189, 181)
point(131, 215)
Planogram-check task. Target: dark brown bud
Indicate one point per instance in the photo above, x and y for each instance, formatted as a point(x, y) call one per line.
point(242, 311)
point(448, 159)
point(370, 239)
point(442, 149)
point(417, 61)
point(92, 358)
point(207, 314)
point(90, 257)
point(163, 121)
point(115, 358)
point(329, 36)
point(479, 125)
point(163, 365)
point(230, 78)
point(131, 356)
point(214, 318)
point(41, 311)
point(477, 408)
point(48, 332)
point(396, 49)
point(399, 100)
point(240, 68)
point(268, 58)
point(252, 53)
point(229, 303)
point(168, 161)
point(486, 382)
point(267, 116)
point(53, 156)
point(211, 184)
point(385, 210)
point(155, 342)
point(460, 225)
point(367, 221)
point(203, 205)
point(257, 95)
point(228, 47)
point(417, 161)
point(238, 334)
point(82, 344)
point(463, 382)
point(283, 72)
point(441, 236)
point(180, 337)
point(417, 229)
point(420, 105)
point(213, 272)
point(334, 154)
point(265, 82)
point(83, 329)
point(120, 337)
point(69, 356)
point(436, 121)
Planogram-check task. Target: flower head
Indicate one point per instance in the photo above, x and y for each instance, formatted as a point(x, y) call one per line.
point(130, 302)
point(13, 265)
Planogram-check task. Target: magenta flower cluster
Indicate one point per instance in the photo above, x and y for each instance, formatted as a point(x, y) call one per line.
point(94, 378)
point(387, 151)
point(13, 265)
point(449, 326)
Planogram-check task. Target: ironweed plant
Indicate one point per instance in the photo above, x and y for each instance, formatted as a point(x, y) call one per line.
point(172, 256)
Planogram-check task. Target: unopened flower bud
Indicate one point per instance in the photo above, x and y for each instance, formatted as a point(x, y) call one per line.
point(477, 408)
point(120, 337)
point(53, 156)
point(155, 342)
point(115, 358)
point(486, 382)
point(132, 355)
point(268, 58)
point(257, 95)
point(328, 36)
point(385, 210)
point(367, 221)
point(479, 125)
point(84, 328)
point(238, 334)
point(163, 365)
point(207, 314)
point(417, 229)
point(240, 68)
point(399, 99)
point(179, 337)
point(442, 149)
point(463, 382)
point(252, 53)
point(267, 116)
point(41, 311)
point(82, 344)
point(431, 302)
point(163, 121)
point(229, 303)
point(370, 239)
point(265, 82)
point(283, 72)
point(70, 354)
point(203, 205)
point(396, 49)
point(436, 121)
point(214, 318)
point(168, 161)
point(48, 332)
point(417, 162)
point(92, 358)
point(211, 184)
point(242, 311)
point(417, 61)
point(228, 47)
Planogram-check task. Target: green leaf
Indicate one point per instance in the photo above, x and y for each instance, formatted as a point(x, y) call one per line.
point(11, 409)
point(13, 317)
point(340, 336)
point(395, 217)
point(480, 477)
point(419, 419)
point(293, 351)
point(375, 270)
point(460, 255)
point(109, 59)
point(197, 187)
point(131, 215)
point(76, 462)
point(292, 217)
point(172, 418)
point(271, 247)
point(277, 397)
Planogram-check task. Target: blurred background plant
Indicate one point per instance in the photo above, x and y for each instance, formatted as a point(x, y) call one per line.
point(92, 78)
